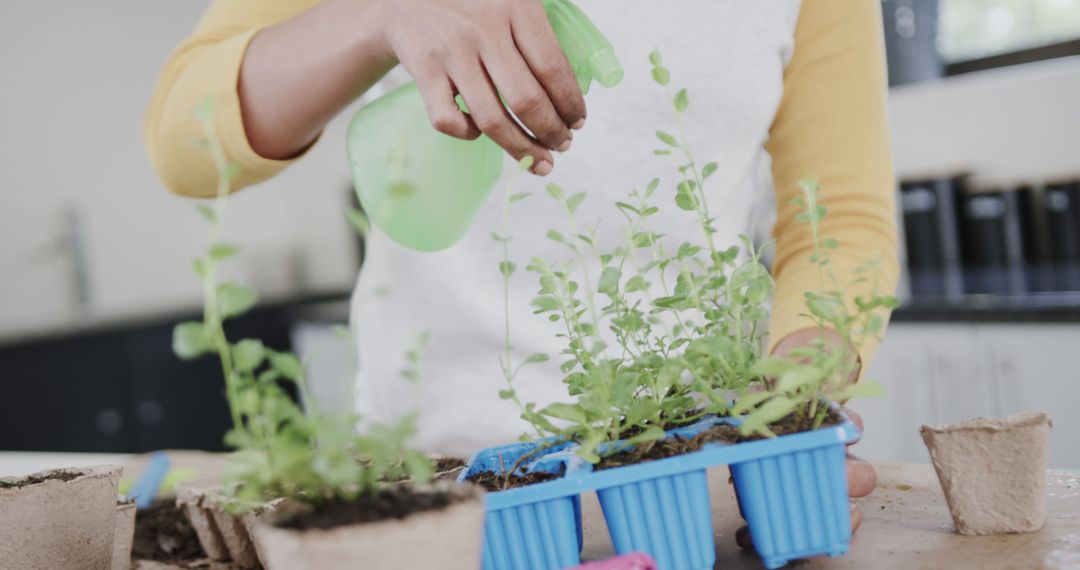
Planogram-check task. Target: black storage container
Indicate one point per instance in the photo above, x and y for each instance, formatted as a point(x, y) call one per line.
point(1061, 209)
point(931, 236)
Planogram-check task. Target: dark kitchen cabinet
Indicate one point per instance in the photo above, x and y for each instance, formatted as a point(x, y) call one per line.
point(120, 388)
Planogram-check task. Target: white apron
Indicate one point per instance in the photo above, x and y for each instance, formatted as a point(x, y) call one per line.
point(730, 54)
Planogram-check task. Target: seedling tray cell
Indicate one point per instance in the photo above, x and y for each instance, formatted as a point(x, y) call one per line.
point(537, 527)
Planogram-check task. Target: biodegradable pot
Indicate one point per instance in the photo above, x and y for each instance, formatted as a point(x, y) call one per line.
point(191, 498)
point(123, 535)
point(252, 520)
point(233, 532)
point(48, 523)
point(447, 538)
point(993, 472)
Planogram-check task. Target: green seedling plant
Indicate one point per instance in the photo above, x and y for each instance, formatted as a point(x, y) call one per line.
point(824, 371)
point(655, 337)
point(282, 449)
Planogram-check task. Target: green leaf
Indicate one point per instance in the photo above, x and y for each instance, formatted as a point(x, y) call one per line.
point(235, 299)
point(545, 303)
point(662, 152)
point(609, 281)
point(667, 138)
point(233, 169)
point(500, 238)
point(830, 243)
point(359, 221)
point(636, 283)
point(555, 191)
point(223, 251)
point(686, 249)
point(204, 110)
point(654, 57)
point(645, 239)
point(651, 187)
point(199, 265)
point(749, 401)
point(686, 201)
point(519, 196)
point(861, 389)
point(651, 433)
point(799, 376)
point(189, 340)
point(248, 354)
point(287, 364)
point(418, 467)
point(525, 163)
point(507, 268)
point(342, 333)
point(506, 394)
point(568, 412)
point(708, 170)
point(556, 236)
point(574, 201)
point(206, 212)
point(682, 99)
point(825, 308)
point(661, 75)
point(538, 357)
point(776, 408)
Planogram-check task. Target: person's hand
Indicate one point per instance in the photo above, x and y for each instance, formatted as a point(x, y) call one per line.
point(484, 50)
point(861, 477)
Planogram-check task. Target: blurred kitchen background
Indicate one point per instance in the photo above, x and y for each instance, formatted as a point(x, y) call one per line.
point(94, 254)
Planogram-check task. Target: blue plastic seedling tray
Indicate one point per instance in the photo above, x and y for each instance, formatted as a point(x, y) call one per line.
point(792, 491)
point(537, 527)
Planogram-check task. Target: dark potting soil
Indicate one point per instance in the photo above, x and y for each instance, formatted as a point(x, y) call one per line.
point(447, 468)
point(395, 502)
point(163, 533)
point(493, 481)
point(796, 422)
point(64, 476)
point(662, 449)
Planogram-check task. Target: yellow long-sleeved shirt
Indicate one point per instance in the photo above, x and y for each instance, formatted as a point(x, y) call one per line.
point(831, 124)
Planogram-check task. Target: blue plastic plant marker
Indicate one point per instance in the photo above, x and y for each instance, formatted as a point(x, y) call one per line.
point(537, 527)
point(146, 487)
point(794, 498)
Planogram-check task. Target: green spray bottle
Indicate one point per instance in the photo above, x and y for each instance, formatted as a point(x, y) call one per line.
point(423, 188)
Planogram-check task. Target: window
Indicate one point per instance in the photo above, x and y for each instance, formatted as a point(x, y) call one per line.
point(974, 29)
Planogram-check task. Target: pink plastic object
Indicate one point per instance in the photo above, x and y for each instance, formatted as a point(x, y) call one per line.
point(635, 561)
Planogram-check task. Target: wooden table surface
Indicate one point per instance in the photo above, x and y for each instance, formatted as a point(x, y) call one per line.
point(906, 525)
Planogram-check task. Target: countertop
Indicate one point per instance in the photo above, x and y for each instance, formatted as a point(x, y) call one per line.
point(906, 524)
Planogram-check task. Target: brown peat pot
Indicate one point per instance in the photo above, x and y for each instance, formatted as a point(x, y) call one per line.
point(993, 472)
point(63, 518)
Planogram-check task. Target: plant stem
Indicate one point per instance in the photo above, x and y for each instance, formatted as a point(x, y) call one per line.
point(211, 315)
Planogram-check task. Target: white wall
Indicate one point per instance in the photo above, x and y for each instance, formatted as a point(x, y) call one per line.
point(76, 78)
point(1019, 124)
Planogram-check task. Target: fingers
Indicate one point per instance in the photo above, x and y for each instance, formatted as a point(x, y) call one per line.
point(492, 118)
point(443, 111)
point(861, 476)
point(540, 49)
point(525, 97)
point(855, 417)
